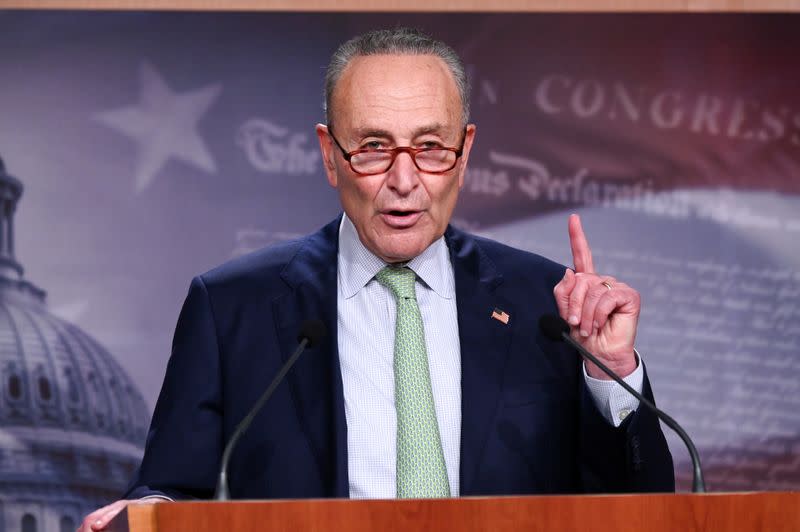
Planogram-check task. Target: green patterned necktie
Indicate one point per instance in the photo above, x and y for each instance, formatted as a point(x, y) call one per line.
point(421, 470)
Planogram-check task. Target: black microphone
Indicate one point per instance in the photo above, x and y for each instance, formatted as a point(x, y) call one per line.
point(311, 333)
point(557, 329)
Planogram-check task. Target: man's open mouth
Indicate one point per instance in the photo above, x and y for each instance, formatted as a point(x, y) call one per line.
point(400, 219)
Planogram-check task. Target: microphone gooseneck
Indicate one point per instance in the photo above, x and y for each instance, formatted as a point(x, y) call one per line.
point(556, 329)
point(311, 334)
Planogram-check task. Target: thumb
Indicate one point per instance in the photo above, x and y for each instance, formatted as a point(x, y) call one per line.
point(562, 291)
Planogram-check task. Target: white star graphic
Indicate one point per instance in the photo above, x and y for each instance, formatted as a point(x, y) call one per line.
point(163, 125)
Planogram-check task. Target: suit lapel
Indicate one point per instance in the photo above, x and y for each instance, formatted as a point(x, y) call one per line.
point(484, 347)
point(316, 381)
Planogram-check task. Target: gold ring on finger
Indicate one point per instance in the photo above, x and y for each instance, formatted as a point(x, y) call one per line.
point(607, 285)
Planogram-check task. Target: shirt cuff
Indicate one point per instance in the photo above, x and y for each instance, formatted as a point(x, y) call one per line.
point(164, 497)
point(612, 400)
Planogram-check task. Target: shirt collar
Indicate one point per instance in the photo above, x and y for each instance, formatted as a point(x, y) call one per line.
point(358, 265)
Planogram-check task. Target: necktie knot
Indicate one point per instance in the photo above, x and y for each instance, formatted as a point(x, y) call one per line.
point(399, 280)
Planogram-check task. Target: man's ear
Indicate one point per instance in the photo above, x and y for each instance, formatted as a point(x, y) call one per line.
point(327, 148)
point(469, 137)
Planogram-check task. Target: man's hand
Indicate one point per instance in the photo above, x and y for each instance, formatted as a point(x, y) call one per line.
point(602, 312)
point(99, 519)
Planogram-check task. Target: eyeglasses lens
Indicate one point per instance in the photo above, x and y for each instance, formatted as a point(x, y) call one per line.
point(427, 161)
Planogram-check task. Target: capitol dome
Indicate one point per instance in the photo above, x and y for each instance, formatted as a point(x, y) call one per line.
point(72, 423)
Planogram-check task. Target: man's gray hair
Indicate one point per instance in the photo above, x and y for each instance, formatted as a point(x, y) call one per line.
point(398, 41)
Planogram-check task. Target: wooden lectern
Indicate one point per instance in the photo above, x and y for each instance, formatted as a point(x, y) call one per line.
point(718, 512)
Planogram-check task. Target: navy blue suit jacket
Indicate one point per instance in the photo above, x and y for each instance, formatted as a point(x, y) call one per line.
point(529, 424)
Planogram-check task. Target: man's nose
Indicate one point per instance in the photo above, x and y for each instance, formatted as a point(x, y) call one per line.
point(403, 176)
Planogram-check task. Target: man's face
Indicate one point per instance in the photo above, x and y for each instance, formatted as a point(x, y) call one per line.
point(388, 101)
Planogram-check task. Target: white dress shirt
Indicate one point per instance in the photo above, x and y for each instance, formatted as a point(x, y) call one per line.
point(366, 323)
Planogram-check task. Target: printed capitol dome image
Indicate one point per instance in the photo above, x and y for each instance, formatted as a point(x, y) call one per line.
point(71, 420)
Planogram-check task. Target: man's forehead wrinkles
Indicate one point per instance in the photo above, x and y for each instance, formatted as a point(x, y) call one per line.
point(433, 106)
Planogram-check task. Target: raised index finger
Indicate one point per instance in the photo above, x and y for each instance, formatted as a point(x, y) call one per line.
point(581, 254)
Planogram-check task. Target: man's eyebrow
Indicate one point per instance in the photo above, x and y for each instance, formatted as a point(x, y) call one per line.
point(432, 128)
point(371, 132)
point(382, 133)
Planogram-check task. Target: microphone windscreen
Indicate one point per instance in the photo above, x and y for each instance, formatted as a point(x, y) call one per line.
point(312, 330)
point(553, 326)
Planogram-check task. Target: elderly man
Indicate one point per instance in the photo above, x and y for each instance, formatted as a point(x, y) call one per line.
point(434, 380)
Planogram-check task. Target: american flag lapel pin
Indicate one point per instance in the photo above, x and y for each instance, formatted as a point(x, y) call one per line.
point(500, 315)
